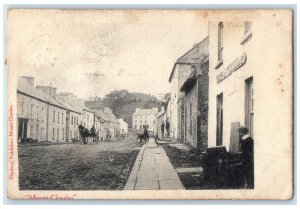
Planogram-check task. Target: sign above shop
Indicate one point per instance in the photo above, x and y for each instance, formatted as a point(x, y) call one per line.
point(235, 65)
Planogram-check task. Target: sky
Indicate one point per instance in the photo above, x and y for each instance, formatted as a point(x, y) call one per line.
point(92, 52)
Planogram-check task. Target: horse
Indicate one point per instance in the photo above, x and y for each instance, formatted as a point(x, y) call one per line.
point(84, 133)
point(142, 137)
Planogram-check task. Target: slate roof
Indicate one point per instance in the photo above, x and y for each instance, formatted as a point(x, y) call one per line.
point(144, 111)
point(103, 117)
point(26, 88)
point(195, 55)
point(69, 106)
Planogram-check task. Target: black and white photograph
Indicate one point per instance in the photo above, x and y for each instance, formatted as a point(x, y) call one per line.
point(149, 104)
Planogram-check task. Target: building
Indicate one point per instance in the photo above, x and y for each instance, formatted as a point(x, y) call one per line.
point(73, 119)
point(195, 106)
point(180, 72)
point(112, 122)
point(247, 81)
point(144, 118)
point(160, 123)
point(167, 117)
point(40, 116)
point(123, 126)
point(104, 124)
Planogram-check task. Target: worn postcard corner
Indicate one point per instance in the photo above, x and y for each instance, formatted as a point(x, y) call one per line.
point(149, 104)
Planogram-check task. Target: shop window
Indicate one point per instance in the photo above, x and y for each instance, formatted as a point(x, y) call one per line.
point(219, 136)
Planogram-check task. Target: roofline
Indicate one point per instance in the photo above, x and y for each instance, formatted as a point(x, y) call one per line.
point(47, 102)
point(171, 75)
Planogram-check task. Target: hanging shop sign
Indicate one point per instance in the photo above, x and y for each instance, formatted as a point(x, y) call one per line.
point(234, 66)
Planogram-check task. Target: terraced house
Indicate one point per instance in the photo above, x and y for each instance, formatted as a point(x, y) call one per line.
point(40, 116)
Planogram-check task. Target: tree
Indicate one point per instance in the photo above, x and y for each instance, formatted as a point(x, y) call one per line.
point(116, 99)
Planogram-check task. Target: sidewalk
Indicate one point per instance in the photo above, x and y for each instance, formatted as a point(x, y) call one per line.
point(153, 170)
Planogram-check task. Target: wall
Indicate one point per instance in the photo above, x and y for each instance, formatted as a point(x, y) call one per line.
point(267, 53)
point(37, 123)
point(191, 104)
point(58, 124)
point(181, 72)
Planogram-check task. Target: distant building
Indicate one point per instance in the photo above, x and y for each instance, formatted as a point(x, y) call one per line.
point(123, 126)
point(160, 123)
point(144, 118)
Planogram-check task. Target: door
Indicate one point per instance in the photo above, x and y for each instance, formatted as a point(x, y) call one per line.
point(22, 129)
point(219, 119)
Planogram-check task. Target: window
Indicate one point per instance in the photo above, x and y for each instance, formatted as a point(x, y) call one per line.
point(220, 42)
point(219, 119)
point(247, 27)
point(58, 117)
point(191, 122)
point(135, 121)
point(249, 105)
point(72, 120)
point(53, 116)
point(135, 127)
point(247, 32)
point(77, 120)
point(53, 134)
point(141, 122)
point(57, 137)
point(22, 108)
point(140, 127)
point(37, 112)
point(63, 134)
point(62, 118)
point(31, 113)
point(145, 121)
point(42, 114)
point(70, 134)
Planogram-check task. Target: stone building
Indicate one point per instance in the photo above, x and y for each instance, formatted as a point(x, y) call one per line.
point(144, 118)
point(195, 106)
point(40, 116)
point(181, 70)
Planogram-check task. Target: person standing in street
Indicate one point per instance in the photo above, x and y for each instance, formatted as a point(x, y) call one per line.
point(146, 134)
point(247, 148)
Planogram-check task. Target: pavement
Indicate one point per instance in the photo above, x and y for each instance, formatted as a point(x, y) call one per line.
point(153, 170)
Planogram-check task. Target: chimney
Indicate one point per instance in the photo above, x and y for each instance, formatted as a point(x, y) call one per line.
point(48, 90)
point(29, 79)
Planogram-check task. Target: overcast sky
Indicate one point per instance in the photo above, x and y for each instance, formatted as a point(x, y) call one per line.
point(91, 53)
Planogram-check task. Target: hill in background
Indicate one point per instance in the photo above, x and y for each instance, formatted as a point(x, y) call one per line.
point(124, 103)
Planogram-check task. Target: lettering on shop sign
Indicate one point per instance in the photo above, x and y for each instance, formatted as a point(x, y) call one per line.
point(235, 65)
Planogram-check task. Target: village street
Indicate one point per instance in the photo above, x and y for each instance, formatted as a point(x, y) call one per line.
point(153, 170)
